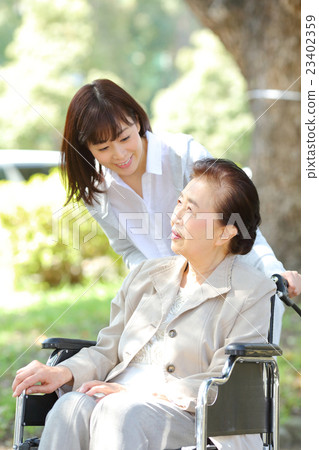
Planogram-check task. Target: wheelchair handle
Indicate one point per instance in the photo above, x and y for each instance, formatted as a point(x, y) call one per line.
point(282, 292)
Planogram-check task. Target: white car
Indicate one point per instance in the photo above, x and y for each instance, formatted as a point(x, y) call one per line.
point(19, 165)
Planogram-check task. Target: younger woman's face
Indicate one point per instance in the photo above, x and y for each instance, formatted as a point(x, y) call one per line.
point(125, 155)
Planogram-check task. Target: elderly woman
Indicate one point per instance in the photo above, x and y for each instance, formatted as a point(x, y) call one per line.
point(169, 325)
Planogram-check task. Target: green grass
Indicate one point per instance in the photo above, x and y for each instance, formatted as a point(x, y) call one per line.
point(290, 367)
point(66, 313)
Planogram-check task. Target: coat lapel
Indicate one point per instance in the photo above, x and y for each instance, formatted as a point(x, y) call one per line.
point(219, 282)
point(167, 280)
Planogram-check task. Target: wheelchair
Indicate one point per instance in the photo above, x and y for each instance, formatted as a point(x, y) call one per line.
point(247, 400)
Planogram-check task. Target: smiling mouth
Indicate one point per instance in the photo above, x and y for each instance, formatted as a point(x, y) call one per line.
point(126, 163)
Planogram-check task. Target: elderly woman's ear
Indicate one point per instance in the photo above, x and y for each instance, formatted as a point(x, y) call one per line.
point(227, 233)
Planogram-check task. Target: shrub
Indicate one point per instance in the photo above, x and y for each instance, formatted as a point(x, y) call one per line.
point(50, 244)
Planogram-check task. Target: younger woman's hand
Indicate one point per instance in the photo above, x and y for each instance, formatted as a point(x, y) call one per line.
point(100, 389)
point(294, 282)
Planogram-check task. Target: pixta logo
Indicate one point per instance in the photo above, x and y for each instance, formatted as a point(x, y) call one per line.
point(73, 225)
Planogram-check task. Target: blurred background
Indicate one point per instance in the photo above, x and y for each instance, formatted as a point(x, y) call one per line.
point(227, 72)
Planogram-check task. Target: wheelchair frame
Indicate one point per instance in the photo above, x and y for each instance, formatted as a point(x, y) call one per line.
point(260, 402)
point(263, 396)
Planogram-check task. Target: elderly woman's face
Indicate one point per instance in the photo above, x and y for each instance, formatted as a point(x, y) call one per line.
point(195, 225)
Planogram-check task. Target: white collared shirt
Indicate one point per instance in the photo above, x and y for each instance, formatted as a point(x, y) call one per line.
point(139, 228)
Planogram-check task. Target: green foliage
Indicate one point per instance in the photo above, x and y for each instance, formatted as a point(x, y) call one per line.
point(52, 48)
point(140, 39)
point(46, 51)
point(10, 19)
point(49, 244)
point(208, 101)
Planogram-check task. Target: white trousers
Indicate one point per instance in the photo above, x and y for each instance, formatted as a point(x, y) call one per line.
point(117, 422)
point(123, 421)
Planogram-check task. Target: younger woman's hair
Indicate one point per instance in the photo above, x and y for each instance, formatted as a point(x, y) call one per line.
point(235, 196)
point(95, 115)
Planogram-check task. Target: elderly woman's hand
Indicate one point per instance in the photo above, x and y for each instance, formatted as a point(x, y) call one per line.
point(294, 282)
point(39, 378)
point(99, 389)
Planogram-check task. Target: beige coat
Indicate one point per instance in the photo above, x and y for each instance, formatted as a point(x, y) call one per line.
point(232, 305)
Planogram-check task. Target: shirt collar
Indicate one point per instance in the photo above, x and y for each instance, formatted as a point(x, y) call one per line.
point(154, 154)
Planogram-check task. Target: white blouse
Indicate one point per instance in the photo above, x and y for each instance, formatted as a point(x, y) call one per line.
point(145, 372)
point(152, 352)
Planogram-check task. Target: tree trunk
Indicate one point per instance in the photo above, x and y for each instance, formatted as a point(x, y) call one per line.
point(264, 38)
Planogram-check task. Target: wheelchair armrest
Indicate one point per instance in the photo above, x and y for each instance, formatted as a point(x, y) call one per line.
point(64, 348)
point(253, 350)
point(66, 344)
